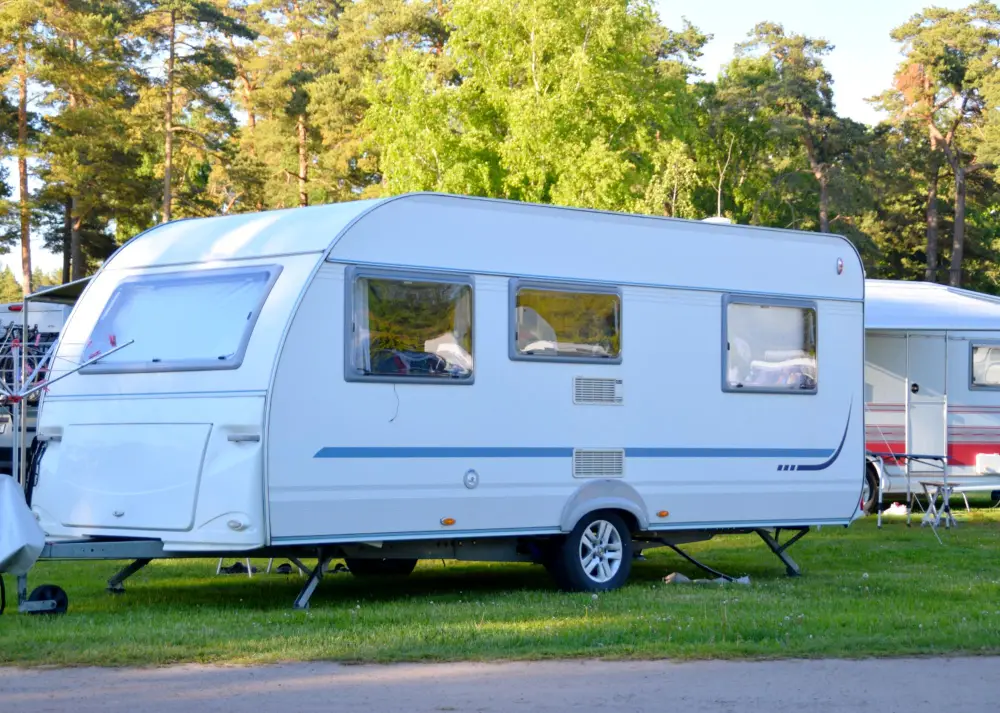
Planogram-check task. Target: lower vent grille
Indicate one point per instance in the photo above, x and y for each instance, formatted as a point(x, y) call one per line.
point(598, 463)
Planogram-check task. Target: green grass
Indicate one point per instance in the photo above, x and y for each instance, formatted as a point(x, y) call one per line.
point(864, 593)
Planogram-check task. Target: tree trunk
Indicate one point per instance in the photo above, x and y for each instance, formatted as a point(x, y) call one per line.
point(819, 171)
point(168, 119)
point(22, 163)
point(958, 236)
point(76, 245)
point(824, 202)
point(75, 218)
point(930, 273)
point(67, 239)
point(303, 162)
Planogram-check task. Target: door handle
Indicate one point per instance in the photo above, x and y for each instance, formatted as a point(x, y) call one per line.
point(244, 437)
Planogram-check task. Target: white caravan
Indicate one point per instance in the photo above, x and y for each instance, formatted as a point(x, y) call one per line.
point(932, 384)
point(448, 377)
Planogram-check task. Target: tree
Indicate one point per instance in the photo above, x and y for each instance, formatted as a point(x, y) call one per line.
point(799, 92)
point(91, 159)
point(18, 20)
point(187, 35)
point(10, 289)
point(547, 101)
point(951, 58)
point(734, 126)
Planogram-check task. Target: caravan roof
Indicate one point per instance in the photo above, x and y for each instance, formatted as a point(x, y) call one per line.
point(901, 305)
point(487, 236)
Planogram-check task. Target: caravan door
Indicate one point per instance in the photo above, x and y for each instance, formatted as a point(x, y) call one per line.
point(927, 400)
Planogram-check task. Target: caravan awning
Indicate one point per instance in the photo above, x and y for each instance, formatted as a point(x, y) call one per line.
point(925, 306)
point(66, 294)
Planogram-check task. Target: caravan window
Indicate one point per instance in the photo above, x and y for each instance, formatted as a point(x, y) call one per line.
point(180, 321)
point(410, 328)
point(770, 346)
point(986, 365)
point(566, 324)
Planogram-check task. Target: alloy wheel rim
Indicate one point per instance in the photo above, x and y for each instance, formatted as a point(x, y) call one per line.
point(601, 551)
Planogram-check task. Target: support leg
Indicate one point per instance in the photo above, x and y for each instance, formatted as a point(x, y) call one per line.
point(779, 550)
point(116, 585)
point(303, 570)
point(879, 471)
point(302, 601)
point(26, 607)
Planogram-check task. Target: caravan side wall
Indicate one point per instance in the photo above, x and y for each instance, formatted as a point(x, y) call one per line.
point(511, 451)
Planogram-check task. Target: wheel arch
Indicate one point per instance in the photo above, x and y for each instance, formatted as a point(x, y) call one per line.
point(605, 494)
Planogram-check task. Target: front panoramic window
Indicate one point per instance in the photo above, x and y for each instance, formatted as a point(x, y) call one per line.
point(567, 324)
point(770, 347)
point(412, 328)
point(986, 365)
point(201, 319)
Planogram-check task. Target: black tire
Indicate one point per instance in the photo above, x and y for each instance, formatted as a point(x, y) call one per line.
point(569, 566)
point(47, 592)
point(869, 495)
point(380, 567)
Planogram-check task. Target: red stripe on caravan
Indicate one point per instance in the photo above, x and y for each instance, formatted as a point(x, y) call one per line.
point(965, 453)
point(883, 447)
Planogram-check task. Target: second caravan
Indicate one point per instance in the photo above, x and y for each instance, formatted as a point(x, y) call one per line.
point(439, 376)
point(932, 385)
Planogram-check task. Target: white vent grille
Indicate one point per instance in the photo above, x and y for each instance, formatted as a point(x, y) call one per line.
point(588, 390)
point(599, 463)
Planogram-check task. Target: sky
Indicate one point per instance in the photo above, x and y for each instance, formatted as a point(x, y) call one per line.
point(862, 62)
point(864, 57)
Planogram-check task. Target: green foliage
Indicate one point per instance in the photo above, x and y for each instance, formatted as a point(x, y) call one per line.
point(540, 101)
point(10, 288)
point(261, 104)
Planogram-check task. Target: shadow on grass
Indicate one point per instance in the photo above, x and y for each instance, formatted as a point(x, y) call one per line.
point(196, 585)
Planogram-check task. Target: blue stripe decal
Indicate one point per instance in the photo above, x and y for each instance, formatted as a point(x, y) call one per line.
point(826, 464)
point(516, 452)
point(443, 452)
point(728, 452)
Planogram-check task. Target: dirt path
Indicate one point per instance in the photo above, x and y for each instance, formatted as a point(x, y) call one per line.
point(968, 685)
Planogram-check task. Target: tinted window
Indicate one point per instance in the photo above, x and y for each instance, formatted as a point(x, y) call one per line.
point(986, 365)
point(770, 347)
point(412, 328)
point(585, 325)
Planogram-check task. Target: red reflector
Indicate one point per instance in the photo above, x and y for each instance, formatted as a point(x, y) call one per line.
point(15, 308)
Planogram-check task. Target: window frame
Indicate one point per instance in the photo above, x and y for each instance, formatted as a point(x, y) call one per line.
point(988, 343)
point(588, 288)
point(357, 272)
point(181, 365)
point(732, 298)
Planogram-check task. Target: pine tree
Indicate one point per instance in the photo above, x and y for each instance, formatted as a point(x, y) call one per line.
point(18, 32)
point(91, 161)
point(297, 42)
point(10, 289)
point(187, 35)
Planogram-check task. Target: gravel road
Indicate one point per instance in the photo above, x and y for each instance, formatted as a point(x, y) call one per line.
point(968, 685)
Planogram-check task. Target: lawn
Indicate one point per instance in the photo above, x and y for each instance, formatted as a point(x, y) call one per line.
point(864, 593)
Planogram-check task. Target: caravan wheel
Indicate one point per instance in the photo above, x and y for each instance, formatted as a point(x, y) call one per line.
point(869, 492)
point(596, 556)
point(380, 567)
